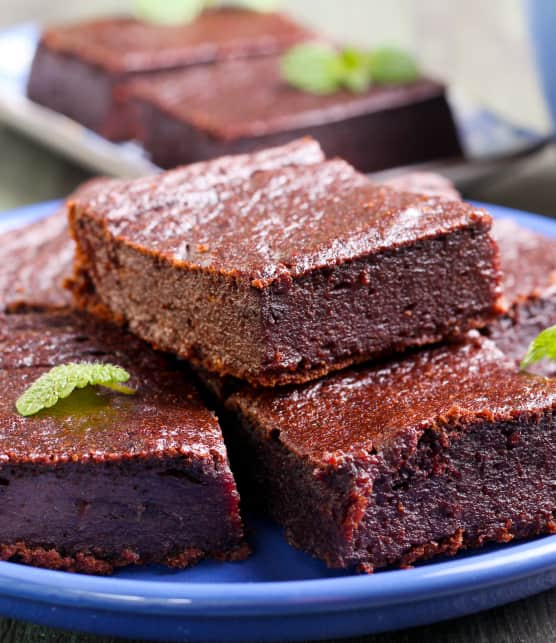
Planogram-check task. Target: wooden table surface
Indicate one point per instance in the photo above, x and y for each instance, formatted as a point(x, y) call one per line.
point(30, 173)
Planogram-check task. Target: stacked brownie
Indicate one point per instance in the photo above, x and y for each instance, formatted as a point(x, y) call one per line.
point(197, 91)
point(333, 321)
point(80, 69)
point(233, 107)
point(281, 266)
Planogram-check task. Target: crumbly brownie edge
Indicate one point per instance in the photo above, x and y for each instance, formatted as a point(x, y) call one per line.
point(88, 562)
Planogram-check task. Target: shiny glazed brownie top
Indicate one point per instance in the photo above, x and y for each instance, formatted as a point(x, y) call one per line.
point(212, 98)
point(127, 45)
point(362, 411)
point(164, 417)
point(274, 214)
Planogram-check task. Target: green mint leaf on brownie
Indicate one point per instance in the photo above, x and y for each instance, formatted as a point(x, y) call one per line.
point(313, 67)
point(60, 382)
point(542, 347)
point(355, 70)
point(391, 66)
point(318, 68)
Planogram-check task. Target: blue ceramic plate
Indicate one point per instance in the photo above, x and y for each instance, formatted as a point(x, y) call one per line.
point(279, 593)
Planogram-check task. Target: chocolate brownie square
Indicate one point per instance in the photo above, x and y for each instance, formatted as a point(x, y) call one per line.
point(205, 112)
point(445, 450)
point(102, 479)
point(36, 261)
point(528, 262)
point(280, 266)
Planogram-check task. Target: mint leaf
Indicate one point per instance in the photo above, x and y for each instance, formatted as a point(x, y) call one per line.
point(313, 67)
point(61, 381)
point(543, 346)
point(318, 68)
point(390, 66)
point(355, 70)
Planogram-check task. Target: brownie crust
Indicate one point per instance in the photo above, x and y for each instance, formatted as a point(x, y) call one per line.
point(445, 450)
point(279, 267)
point(204, 113)
point(134, 479)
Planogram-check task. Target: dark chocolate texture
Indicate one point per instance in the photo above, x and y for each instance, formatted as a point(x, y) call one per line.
point(230, 108)
point(79, 69)
point(278, 267)
point(103, 479)
point(445, 450)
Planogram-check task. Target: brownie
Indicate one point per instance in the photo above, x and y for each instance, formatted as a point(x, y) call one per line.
point(446, 450)
point(36, 260)
point(79, 69)
point(279, 267)
point(103, 479)
point(528, 262)
point(229, 108)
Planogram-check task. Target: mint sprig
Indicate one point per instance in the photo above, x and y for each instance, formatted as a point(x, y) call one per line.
point(390, 66)
point(179, 11)
point(542, 347)
point(314, 67)
point(319, 68)
point(61, 381)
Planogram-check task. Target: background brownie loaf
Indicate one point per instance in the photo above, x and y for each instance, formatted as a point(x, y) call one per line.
point(230, 108)
point(79, 69)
